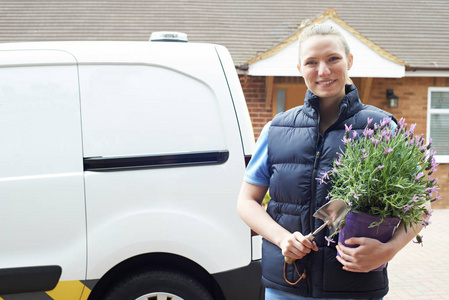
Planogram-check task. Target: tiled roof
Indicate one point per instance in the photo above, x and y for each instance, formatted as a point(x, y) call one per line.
point(415, 31)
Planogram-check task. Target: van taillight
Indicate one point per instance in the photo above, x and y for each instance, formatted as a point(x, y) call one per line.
point(247, 159)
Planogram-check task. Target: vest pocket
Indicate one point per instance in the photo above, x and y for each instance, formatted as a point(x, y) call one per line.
point(273, 266)
point(335, 279)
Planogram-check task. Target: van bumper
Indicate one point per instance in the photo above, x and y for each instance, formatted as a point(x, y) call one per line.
point(243, 283)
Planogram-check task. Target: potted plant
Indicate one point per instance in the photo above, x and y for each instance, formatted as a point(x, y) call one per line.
point(384, 176)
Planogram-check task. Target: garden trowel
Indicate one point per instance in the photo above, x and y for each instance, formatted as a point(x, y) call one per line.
point(332, 213)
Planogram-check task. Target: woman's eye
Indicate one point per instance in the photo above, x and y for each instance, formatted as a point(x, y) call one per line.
point(308, 63)
point(334, 58)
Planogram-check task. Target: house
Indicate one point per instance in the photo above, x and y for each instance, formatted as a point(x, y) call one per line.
point(400, 48)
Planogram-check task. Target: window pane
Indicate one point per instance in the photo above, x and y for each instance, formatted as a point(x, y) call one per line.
point(439, 132)
point(440, 100)
point(280, 100)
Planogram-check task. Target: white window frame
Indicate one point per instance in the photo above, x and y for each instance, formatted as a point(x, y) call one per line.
point(438, 158)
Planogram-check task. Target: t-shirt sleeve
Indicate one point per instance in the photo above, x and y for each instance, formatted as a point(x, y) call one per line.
point(258, 170)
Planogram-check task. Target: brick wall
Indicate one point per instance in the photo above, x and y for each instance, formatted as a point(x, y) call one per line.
point(254, 90)
point(412, 93)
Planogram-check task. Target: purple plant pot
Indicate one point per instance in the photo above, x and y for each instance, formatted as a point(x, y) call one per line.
point(357, 225)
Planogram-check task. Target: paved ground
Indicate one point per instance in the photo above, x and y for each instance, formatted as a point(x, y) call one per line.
point(423, 272)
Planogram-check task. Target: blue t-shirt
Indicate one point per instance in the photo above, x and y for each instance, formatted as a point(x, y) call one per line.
point(258, 170)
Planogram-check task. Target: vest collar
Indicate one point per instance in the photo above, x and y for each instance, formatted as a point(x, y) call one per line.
point(349, 105)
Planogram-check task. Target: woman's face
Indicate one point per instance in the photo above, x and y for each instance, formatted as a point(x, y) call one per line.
point(324, 67)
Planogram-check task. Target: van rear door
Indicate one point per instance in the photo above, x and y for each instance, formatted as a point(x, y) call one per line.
point(41, 172)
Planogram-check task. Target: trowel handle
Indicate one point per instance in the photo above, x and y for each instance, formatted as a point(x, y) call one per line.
point(290, 260)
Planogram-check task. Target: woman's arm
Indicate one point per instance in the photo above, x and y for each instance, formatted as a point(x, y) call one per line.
point(372, 253)
point(250, 210)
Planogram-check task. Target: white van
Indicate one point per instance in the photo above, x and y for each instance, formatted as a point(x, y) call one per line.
point(120, 167)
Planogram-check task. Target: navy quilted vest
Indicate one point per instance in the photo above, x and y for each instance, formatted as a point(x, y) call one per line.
point(297, 159)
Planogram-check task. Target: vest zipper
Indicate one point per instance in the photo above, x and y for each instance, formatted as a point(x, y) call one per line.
point(342, 112)
point(312, 205)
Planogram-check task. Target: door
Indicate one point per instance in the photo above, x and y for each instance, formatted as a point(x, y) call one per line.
point(287, 96)
point(41, 172)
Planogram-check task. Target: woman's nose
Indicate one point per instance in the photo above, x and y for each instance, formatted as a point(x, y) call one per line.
point(323, 69)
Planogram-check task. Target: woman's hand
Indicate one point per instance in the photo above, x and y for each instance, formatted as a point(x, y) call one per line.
point(293, 245)
point(296, 246)
point(369, 255)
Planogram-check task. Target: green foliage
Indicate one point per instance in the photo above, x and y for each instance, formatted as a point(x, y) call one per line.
point(266, 199)
point(385, 173)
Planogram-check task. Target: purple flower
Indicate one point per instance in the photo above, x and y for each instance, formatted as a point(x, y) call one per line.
point(436, 197)
point(430, 144)
point(329, 241)
point(418, 176)
point(369, 121)
point(345, 140)
point(385, 122)
point(388, 150)
point(375, 142)
point(418, 240)
point(415, 198)
point(321, 180)
point(348, 128)
point(420, 140)
point(368, 132)
point(407, 208)
point(354, 134)
point(357, 196)
point(327, 197)
point(386, 135)
point(431, 190)
point(364, 156)
point(380, 167)
point(401, 122)
point(426, 223)
point(325, 175)
point(412, 129)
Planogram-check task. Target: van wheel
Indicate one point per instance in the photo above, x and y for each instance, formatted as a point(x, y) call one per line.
point(155, 285)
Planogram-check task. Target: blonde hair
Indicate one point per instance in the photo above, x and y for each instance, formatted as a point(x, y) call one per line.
point(323, 30)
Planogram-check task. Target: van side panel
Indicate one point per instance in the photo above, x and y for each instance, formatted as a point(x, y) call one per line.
point(238, 98)
point(166, 105)
point(41, 169)
point(147, 109)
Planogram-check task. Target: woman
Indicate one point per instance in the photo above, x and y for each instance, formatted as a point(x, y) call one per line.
point(291, 152)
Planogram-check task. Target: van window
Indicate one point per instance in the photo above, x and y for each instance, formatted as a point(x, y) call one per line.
point(143, 109)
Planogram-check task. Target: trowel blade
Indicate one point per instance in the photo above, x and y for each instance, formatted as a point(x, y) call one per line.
point(334, 212)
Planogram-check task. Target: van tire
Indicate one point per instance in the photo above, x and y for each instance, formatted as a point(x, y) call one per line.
point(153, 283)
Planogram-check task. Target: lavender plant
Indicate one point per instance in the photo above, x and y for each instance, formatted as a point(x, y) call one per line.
point(385, 172)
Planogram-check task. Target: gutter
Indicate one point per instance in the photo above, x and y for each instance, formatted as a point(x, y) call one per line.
point(414, 69)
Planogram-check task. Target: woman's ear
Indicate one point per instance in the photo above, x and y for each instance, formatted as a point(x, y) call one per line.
point(350, 61)
point(299, 68)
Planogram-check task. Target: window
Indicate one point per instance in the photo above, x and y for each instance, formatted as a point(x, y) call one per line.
point(438, 122)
